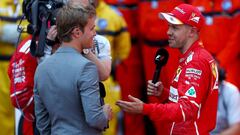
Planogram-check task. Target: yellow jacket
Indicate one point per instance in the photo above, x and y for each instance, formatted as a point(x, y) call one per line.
point(112, 25)
point(10, 15)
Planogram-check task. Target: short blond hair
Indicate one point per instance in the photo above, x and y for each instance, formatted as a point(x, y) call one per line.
point(78, 3)
point(69, 17)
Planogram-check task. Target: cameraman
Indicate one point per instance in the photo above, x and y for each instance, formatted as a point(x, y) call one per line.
point(10, 16)
point(22, 68)
point(21, 71)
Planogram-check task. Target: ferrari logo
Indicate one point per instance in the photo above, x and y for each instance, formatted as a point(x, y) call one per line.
point(215, 74)
point(214, 69)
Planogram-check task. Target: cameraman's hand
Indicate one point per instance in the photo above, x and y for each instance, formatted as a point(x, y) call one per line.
point(52, 33)
point(107, 109)
point(154, 89)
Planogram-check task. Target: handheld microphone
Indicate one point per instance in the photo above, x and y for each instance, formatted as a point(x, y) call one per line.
point(102, 92)
point(160, 60)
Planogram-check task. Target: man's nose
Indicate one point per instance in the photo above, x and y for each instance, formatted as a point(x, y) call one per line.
point(168, 32)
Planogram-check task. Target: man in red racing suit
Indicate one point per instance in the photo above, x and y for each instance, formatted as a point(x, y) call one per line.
point(189, 107)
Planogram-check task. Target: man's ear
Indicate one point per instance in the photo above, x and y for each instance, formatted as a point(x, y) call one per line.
point(193, 31)
point(77, 32)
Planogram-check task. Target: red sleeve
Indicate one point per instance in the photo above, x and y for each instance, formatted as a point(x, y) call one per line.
point(162, 112)
point(192, 89)
point(21, 73)
point(164, 95)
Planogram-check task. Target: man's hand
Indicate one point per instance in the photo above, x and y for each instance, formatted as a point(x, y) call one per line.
point(154, 89)
point(107, 109)
point(132, 107)
point(52, 33)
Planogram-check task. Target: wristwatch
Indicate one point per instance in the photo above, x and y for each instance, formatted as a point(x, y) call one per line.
point(86, 51)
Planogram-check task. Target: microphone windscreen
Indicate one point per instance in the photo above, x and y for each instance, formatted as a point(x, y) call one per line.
point(161, 57)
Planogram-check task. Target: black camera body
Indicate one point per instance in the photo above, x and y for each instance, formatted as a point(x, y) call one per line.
point(36, 11)
point(39, 14)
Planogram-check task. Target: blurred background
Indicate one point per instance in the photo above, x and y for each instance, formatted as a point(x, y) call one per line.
point(135, 31)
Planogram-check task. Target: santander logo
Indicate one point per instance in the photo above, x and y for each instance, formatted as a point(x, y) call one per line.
point(180, 10)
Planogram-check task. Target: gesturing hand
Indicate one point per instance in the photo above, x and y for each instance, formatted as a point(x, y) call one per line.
point(136, 106)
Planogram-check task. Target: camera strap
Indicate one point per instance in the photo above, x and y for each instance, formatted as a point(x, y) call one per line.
point(42, 37)
point(38, 50)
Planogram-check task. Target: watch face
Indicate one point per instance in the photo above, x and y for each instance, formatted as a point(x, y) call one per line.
point(85, 51)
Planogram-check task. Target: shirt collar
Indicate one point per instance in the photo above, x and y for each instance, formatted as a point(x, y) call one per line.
point(66, 49)
point(196, 44)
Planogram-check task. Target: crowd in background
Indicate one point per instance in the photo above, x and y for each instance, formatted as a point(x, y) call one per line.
point(135, 32)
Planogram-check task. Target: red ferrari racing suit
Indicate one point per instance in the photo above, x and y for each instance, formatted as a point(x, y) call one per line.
point(21, 73)
point(191, 104)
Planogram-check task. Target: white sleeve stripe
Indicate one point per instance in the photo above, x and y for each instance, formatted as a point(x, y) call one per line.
point(29, 102)
point(199, 111)
point(194, 103)
point(184, 97)
point(172, 128)
point(190, 101)
point(183, 114)
point(18, 92)
point(196, 127)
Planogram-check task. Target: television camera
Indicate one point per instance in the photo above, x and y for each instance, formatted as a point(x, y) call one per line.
point(40, 14)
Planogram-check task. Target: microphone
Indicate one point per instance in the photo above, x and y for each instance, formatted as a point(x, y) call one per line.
point(161, 59)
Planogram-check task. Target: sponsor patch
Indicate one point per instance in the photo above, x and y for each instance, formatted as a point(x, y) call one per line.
point(215, 74)
point(189, 58)
point(173, 95)
point(214, 69)
point(193, 71)
point(195, 84)
point(180, 10)
point(26, 47)
point(19, 71)
point(179, 70)
point(191, 92)
point(192, 76)
point(194, 18)
point(102, 23)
